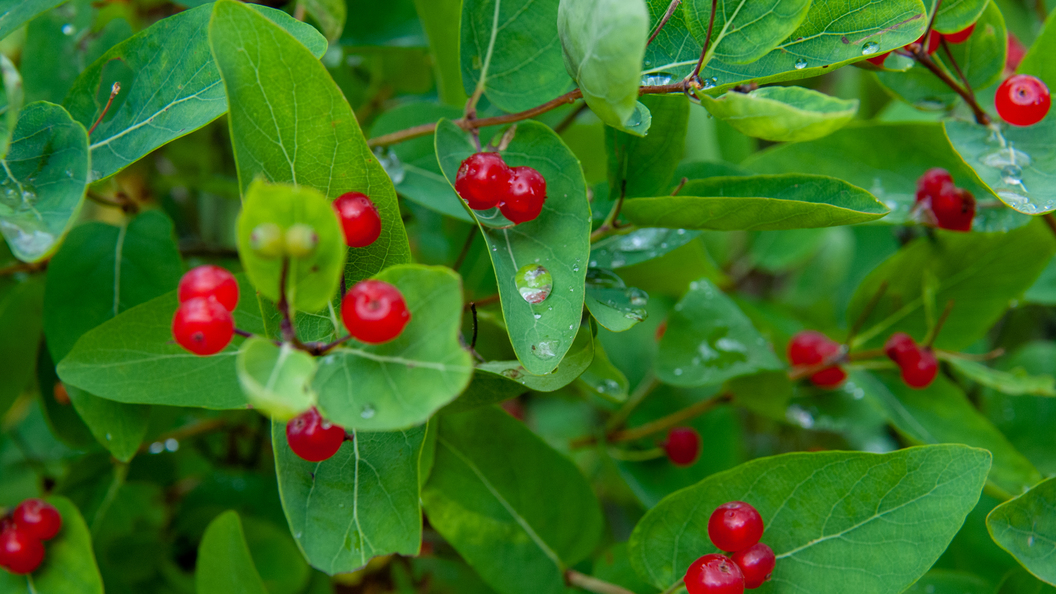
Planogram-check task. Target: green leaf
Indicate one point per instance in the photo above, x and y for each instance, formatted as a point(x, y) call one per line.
point(518, 512)
point(1021, 582)
point(44, 179)
point(132, 358)
point(360, 504)
point(511, 52)
point(276, 379)
point(1016, 383)
point(573, 365)
point(167, 89)
point(644, 166)
point(20, 325)
point(118, 426)
point(613, 304)
point(943, 414)
point(604, 42)
point(604, 378)
point(782, 114)
point(224, 564)
point(69, 565)
point(312, 281)
point(955, 15)
point(640, 245)
point(1026, 528)
point(275, 554)
point(15, 13)
point(1025, 420)
point(330, 14)
point(291, 124)
point(401, 383)
point(11, 100)
point(709, 340)
point(832, 518)
point(942, 581)
point(969, 269)
point(761, 202)
point(441, 20)
point(558, 240)
point(743, 31)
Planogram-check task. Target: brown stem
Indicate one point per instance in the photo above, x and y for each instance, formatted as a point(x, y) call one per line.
point(114, 90)
point(121, 201)
point(592, 584)
point(671, 8)
point(243, 333)
point(934, 333)
point(322, 349)
point(957, 69)
point(485, 301)
point(662, 424)
point(866, 312)
point(473, 342)
point(799, 372)
point(289, 334)
point(1050, 220)
point(610, 221)
point(863, 355)
point(707, 41)
point(571, 117)
point(921, 56)
point(681, 185)
point(931, 21)
point(24, 267)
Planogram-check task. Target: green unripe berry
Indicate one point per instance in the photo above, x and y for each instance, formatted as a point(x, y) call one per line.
point(267, 241)
point(301, 240)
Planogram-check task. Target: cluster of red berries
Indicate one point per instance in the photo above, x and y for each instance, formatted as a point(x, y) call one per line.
point(1022, 100)
point(203, 324)
point(484, 181)
point(23, 532)
point(934, 40)
point(918, 364)
point(313, 438)
point(735, 527)
point(682, 446)
point(810, 349)
point(942, 203)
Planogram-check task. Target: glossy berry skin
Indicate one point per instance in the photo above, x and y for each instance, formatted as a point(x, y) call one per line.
point(919, 368)
point(525, 197)
point(359, 219)
point(960, 36)
point(682, 446)
point(809, 348)
point(313, 438)
point(483, 180)
point(756, 563)
point(714, 574)
point(932, 182)
point(374, 312)
point(879, 60)
point(954, 209)
point(735, 526)
point(38, 519)
point(209, 281)
point(203, 326)
point(20, 553)
point(1022, 100)
point(898, 346)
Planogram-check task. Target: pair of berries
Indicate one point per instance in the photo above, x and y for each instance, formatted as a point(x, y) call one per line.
point(1022, 100)
point(735, 527)
point(810, 349)
point(934, 40)
point(313, 438)
point(203, 324)
point(22, 535)
point(485, 181)
point(682, 446)
point(944, 204)
point(919, 366)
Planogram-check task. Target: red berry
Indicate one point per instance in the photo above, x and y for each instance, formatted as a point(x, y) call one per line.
point(954, 209)
point(714, 574)
point(932, 182)
point(1022, 100)
point(20, 552)
point(960, 36)
point(359, 219)
point(919, 368)
point(682, 446)
point(525, 197)
point(810, 348)
point(1016, 52)
point(209, 281)
point(38, 519)
point(879, 60)
point(483, 180)
point(934, 37)
point(313, 438)
point(374, 312)
point(898, 345)
point(735, 526)
point(203, 326)
point(756, 563)
point(830, 377)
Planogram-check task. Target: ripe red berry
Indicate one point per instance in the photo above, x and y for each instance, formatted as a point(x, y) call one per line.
point(879, 60)
point(374, 311)
point(898, 345)
point(38, 519)
point(359, 219)
point(209, 281)
point(934, 37)
point(932, 182)
point(313, 438)
point(735, 526)
point(1016, 52)
point(20, 552)
point(954, 209)
point(809, 348)
point(714, 574)
point(483, 180)
point(203, 326)
point(525, 197)
point(919, 368)
point(682, 446)
point(756, 563)
point(960, 36)
point(1022, 100)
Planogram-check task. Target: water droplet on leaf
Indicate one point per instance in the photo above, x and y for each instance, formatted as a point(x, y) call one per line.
point(801, 64)
point(534, 282)
point(870, 48)
point(368, 411)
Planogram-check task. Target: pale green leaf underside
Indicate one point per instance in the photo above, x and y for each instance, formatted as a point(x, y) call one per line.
point(275, 379)
point(1026, 528)
point(782, 114)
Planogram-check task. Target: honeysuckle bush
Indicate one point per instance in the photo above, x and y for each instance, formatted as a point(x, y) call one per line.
point(720, 177)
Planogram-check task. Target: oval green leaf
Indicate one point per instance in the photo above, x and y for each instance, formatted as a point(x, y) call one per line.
point(1017, 383)
point(224, 563)
point(275, 379)
point(613, 304)
point(742, 31)
point(21, 312)
point(15, 13)
point(1026, 528)
point(782, 114)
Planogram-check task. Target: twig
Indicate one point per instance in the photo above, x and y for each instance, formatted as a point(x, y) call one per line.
point(322, 349)
point(934, 332)
point(298, 13)
point(671, 8)
point(114, 90)
point(485, 301)
point(672, 420)
point(866, 312)
point(243, 333)
point(610, 223)
point(571, 117)
point(465, 249)
point(921, 56)
point(644, 388)
point(931, 21)
point(681, 185)
point(941, 354)
point(473, 342)
point(591, 584)
point(289, 333)
point(24, 267)
point(1050, 220)
point(695, 76)
point(957, 69)
point(120, 474)
point(122, 201)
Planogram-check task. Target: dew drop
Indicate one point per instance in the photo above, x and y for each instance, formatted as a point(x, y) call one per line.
point(537, 316)
point(1012, 175)
point(391, 164)
point(801, 64)
point(68, 29)
point(546, 349)
point(870, 48)
point(534, 283)
point(368, 411)
point(157, 447)
point(678, 371)
point(575, 268)
point(1030, 540)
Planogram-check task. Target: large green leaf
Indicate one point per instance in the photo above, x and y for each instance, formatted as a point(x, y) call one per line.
point(132, 358)
point(168, 88)
point(514, 509)
point(21, 313)
point(401, 383)
point(1026, 528)
point(956, 15)
point(941, 581)
point(604, 42)
point(558, 240)
point(441, 19)
point(43, 182)
point(510, 50)
point(1026, 420)
point(1021, 582)
point(742, 31)
point(640, 245)
point(224, 564)
point(761, 202)
point(359, 504)
point(275, 379)
point(291, 124)
point(644, 166)
point(69, 564)
point(782, 114)
point(969, 269)
point(14, 13)
point(832, 518)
